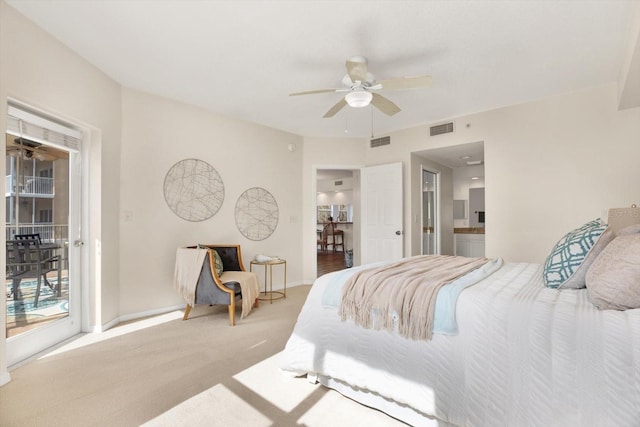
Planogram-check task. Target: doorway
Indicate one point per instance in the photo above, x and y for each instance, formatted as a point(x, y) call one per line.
point(335, 206)
point(42, 197)
point(430, 210)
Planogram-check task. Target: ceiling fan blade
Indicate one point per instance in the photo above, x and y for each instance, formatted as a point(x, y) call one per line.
point(384, 105)
point(339, 106)
point(406, 83)
point(357, 69)
point(311, 92)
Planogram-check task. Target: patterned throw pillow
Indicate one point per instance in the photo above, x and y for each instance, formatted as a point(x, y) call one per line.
point(565, 266)
point(218, 263)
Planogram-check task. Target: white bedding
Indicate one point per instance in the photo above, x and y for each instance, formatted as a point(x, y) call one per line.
point(525, 355)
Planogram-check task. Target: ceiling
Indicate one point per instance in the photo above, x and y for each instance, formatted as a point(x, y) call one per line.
point(243, 58)
point(457, 156)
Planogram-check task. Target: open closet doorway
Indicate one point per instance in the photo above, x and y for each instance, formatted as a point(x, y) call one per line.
point(335, 205)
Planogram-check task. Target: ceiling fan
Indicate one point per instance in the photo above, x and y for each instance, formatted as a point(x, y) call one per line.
point(29, 149)
point(361, 88)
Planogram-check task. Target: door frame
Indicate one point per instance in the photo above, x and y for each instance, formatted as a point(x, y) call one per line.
point(314, 212)
point(437, 210)
point(79, 307)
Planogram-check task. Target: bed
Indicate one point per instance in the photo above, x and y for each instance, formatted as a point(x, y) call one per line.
point(519, 354)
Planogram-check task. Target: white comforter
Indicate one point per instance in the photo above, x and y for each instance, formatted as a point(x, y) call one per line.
point(525, 355)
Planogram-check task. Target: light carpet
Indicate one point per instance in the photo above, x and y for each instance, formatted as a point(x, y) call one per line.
point(163, 371)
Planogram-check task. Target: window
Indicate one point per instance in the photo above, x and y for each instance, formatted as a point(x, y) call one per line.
point(46, 215)
point(339, 213)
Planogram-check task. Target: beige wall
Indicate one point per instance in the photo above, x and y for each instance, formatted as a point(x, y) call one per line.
point(156, 134)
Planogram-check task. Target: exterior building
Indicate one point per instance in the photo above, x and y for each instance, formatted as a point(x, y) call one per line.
point(36, 192)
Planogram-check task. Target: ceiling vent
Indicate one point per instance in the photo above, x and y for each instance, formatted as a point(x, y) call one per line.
point(441, 129)
point(379, 142)
point(337, 183)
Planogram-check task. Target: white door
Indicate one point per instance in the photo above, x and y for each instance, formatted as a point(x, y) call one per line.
point(381, 204)
point(42, 191)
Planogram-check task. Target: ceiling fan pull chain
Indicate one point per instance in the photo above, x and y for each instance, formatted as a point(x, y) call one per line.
point(371, 123)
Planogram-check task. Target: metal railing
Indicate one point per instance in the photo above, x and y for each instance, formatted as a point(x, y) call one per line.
point(33, 185)
point(49, 233)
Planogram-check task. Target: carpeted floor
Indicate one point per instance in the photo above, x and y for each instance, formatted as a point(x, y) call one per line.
point(163, 371)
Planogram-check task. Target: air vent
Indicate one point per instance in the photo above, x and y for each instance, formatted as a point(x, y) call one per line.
point(441, 129)
point(379, 142)
point(337, 183)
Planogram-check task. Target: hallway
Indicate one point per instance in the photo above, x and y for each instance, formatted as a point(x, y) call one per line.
point(329, 261)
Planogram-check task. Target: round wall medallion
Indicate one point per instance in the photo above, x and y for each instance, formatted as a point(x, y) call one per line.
point(193, 190)
point(256, 214)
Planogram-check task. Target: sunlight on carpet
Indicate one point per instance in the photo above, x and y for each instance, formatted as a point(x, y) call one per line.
point(118, 330)
point(263, 377)
point(219, 405)
point(215, 406)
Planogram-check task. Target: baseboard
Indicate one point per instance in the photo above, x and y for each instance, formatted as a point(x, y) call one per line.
point(155, 312)
point(5, 377)
point(134, 316)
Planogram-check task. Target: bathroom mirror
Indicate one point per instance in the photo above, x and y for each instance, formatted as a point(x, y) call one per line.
point(459, 209)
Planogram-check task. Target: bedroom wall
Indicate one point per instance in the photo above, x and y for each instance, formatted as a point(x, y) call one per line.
point(550, 166)
point(554, 164)
point(36, 69)
point(157, 133)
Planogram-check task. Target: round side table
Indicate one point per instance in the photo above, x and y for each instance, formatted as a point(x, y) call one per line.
point(271, 292)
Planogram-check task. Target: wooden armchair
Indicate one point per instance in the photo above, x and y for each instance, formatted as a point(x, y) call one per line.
point(212, 288)
point(322, 237)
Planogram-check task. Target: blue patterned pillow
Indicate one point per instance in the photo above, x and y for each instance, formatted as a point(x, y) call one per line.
point(563, 265)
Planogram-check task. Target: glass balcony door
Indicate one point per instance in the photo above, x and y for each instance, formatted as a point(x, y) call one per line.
point(42, 203)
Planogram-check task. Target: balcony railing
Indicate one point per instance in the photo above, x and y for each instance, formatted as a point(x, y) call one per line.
point(29, 186)
point(49, 233)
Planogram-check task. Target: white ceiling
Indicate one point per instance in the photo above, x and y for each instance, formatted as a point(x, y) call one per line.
point(243, 58)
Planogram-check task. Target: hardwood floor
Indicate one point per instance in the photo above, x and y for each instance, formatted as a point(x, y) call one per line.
point(329, 261)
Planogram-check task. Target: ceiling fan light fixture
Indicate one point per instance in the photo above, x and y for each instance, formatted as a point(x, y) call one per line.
point(358, 98)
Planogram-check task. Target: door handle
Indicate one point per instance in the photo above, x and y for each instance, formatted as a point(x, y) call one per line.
point(398, 233)
point(78, 243)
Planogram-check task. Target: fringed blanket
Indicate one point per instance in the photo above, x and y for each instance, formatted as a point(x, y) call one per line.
point(402, 295)
point(186, 273)
point(248, 286)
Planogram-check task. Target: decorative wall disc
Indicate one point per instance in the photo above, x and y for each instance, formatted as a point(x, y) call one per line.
point(256, 214)
point(193, 190)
